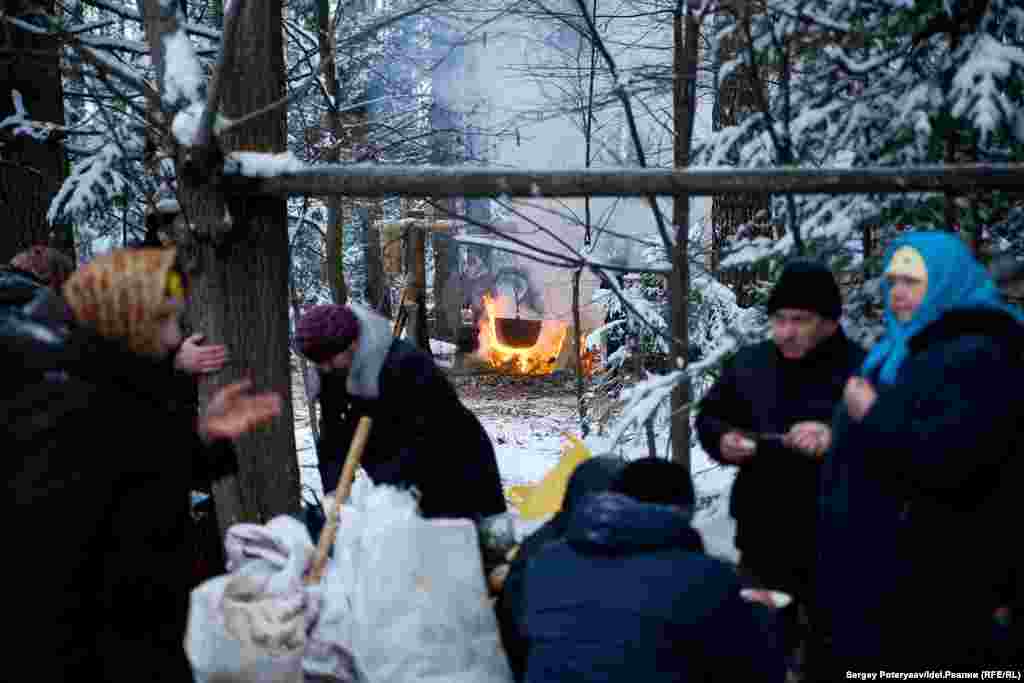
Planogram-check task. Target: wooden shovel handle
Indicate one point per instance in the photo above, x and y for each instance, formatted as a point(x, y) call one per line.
point(341, 494)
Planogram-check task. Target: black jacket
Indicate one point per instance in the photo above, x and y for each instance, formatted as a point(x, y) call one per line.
point(775, 493)
point(99, 473)
point(422, 436)
point(916, 499)
point(630, 596)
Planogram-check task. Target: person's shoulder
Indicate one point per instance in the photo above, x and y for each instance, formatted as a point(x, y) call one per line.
point(407, 356)
point(971, 329)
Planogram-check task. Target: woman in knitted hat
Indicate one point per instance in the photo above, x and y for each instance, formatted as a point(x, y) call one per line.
point(926, 449)
point(101, 473)
point(422, 434)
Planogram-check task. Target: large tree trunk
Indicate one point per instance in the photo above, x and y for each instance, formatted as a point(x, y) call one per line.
point(418, 332)
point(31, 172)
point(685, 68)
point(335, 261)
point(444, 251)
point(240, 291)
point(735, 99)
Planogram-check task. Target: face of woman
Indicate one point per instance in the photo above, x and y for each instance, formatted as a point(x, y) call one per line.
point(905, 295)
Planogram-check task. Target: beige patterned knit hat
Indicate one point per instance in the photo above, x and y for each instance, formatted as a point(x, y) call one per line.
point(126, 295)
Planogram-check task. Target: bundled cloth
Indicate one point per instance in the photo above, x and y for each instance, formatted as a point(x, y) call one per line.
point(251, 624)
point(402, 599)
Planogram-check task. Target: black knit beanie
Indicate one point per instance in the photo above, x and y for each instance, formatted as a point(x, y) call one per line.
point(808, 286)
point(653, 480)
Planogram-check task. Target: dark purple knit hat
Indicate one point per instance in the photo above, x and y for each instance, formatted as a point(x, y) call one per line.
point(325, 331)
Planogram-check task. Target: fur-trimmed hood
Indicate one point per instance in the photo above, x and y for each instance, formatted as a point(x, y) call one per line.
point(374, 343)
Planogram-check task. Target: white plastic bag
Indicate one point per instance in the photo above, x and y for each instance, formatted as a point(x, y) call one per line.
point(409, 595)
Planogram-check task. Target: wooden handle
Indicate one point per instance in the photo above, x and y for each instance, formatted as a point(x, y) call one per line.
point(341, 494)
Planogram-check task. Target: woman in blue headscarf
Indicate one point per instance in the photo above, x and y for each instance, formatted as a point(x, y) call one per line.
point(924, 467)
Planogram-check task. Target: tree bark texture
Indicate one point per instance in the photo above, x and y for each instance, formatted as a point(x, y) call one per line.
point(420, 334)
point(31, 171)
point(376, 279)
point(335, 265)
point(465, 181)
point(736, 99)
point(240, 293)
point(444, 251)
point(685, 70)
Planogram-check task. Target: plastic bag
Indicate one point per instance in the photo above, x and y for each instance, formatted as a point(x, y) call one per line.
point(409, 595)
point(250, 625)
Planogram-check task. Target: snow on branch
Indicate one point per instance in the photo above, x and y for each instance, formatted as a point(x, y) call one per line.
point(978, 87)
point(21, 124)
point(261, 164)
point(644, 398)
point(127, 13)
point(183, 77)
point(93, 182)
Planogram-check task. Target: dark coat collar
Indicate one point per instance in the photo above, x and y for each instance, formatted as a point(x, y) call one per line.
point(106, 362)
point(998, 325)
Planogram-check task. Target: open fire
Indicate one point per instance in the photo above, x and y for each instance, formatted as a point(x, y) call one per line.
point(539, 359)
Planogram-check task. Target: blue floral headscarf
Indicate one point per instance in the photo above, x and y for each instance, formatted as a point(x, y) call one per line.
point(956, 281)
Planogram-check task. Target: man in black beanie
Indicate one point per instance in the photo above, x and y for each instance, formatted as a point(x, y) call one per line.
point(758, 418)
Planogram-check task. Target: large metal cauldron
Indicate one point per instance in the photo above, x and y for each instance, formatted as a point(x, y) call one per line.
point(517, 332)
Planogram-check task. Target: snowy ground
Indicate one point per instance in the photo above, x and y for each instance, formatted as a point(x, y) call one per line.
point(526, 420)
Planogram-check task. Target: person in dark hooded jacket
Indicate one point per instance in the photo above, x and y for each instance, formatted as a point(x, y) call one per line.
point(630, 595)
point(924, 470)
point(591, 476)
point(422, 435)
point(99, 472)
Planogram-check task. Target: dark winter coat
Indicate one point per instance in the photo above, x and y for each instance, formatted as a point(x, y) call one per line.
point(774, 495)
point(630, 596)
point(422, 436)
point(916, 498)
point(99, 473)
point(591, 476)
point(33, 320)
point(18, 287)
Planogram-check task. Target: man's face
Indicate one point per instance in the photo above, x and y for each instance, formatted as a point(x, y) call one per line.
point(340, 361)
point(796, 332)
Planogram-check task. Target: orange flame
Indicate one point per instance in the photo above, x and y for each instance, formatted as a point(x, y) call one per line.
point(589, 358)
point(538, 359)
